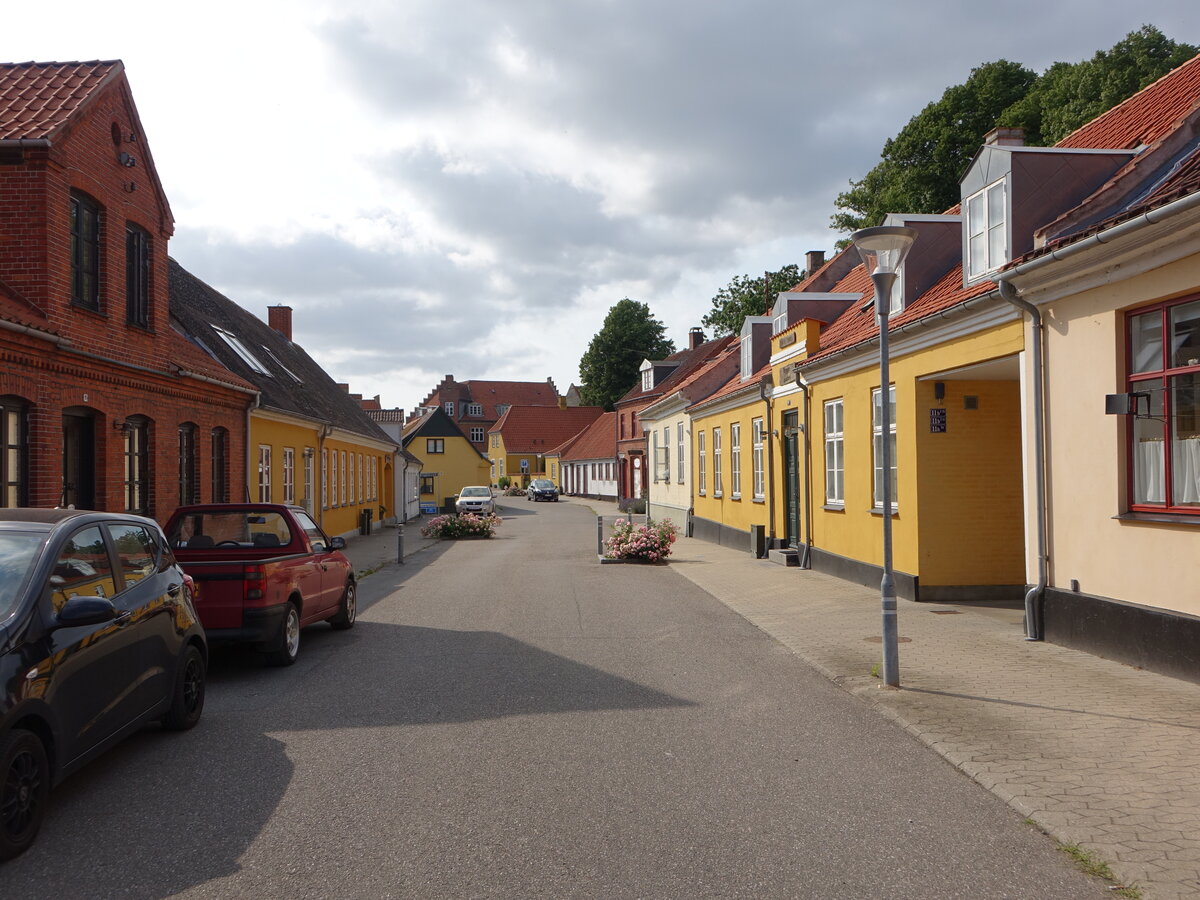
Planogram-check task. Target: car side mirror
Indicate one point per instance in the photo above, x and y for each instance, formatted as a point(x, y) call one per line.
point(337, 543)
point(85, 610)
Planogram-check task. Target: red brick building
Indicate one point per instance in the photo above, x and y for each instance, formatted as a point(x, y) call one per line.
point(475, 406)
point(102, 403)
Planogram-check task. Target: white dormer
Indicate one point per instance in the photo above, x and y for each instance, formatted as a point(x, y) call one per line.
point(653, 372)
point(937, 249)
point(755, 343)
point(793, 306)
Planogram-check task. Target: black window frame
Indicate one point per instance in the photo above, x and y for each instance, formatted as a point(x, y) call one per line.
point(14, 455)
point(220, 465)
point(85, 251)
point(189, 464)
point(137, 465)
point(137, 275)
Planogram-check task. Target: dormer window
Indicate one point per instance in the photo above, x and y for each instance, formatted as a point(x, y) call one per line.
point(449, 407)
point(647, 379)
point(987, 230)
point(896, 297)
point(780, 323)
point(747, 356)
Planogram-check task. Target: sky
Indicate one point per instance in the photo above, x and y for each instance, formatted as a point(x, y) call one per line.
point(466, 187)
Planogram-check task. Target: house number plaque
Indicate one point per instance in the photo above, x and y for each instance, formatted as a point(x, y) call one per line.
point(937, 421)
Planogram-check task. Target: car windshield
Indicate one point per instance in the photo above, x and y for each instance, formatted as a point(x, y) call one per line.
point(475, 492)
point(17, 553)
point(543, 484)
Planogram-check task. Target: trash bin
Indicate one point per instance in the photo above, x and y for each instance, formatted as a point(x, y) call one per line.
point(758, 541)
point(448, 504)
point(364, 521)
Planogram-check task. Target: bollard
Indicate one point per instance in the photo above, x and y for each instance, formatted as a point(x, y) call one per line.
point(400, 543)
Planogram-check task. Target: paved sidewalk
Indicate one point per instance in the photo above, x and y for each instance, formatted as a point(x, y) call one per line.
point(1097, 753)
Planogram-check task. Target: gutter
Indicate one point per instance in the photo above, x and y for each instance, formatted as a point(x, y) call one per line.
point(56, 340)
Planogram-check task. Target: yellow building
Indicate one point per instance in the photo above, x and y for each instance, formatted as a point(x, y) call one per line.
point(449, 461)
point(519, 443)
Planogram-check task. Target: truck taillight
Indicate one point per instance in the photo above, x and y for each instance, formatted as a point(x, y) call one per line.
point(253, 579)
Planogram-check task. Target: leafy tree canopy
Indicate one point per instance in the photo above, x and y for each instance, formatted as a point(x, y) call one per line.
point(745, 296)
point(921, 166)
point(609, 366)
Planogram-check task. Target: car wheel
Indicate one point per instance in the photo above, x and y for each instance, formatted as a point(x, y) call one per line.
point(188, 700)
point(288, 640)
point(24, 790)
point(348, 611)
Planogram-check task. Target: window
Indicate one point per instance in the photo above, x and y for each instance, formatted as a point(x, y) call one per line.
point(735, 459)
point(877, 443)
point(264, 473)
point(496, 440)
point(189, 465)
point(780, 323)
point(680, 450)
point(835, 467)
point(85, 251)
point(474, 409)
point(647, 379)
point(1165, 435)
point(220, 465)
point(667, 453)
point(342, 478)
point(137, 551)
point(757, 450)
point(747, 362)
point(426, 484)
point(137, 276)
point(501, 408)
point(14, 453)
point(324, 479)
point(308, 479)
point(240, 349)
point(896, 296)
point(449, 407)
point(275, 359)
point(361, 495)
point(137, 466)
point(477, 434)
point(718, 486)
point(83, 568)
point(662, 456)
point(351, 497)
point(289, 475)
point(701, 474)
point(435, 445)
point(987, 231)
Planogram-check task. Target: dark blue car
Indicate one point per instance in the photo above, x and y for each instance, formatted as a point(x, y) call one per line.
point(98, 637)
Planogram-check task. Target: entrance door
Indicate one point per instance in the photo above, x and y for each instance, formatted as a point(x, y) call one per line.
point(791, 468)
point(79, 459)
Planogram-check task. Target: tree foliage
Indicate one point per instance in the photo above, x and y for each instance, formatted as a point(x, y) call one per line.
point(609, 366)
point(745, 296)
point(921, 166)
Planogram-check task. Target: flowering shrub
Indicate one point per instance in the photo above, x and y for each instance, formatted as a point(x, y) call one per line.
point(466, 525)
point(514, 490)
point(651, 541)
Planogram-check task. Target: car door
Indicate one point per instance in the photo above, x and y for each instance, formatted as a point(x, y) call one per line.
point(88, 670)
point(150, 594)
point(333, 571)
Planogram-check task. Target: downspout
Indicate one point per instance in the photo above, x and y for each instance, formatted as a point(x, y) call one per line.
point(324, 432)
point(764, 387)
point(806, 554)
point(1033, 597)
point(249, 450)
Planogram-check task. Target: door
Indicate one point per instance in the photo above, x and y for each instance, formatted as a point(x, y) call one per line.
point(79, 460)
point(791, 468)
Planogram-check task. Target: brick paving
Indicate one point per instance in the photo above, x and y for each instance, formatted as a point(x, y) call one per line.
point(1095, 752)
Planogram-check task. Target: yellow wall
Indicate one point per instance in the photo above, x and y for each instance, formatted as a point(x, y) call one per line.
point(734, 513)
point(342, 517)
point(458, 467)
point(279, 435)
point(503, 463)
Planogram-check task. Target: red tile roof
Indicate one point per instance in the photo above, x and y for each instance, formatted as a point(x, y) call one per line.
point(491, 394)
point(597, 441)
point(540, 429)
point(688, 359)
point(37, 99)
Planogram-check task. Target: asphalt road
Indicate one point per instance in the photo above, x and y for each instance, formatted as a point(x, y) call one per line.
point(510, 719)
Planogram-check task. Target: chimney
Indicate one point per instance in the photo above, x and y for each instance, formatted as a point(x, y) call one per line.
point(813, 260)
point(344, 387)
point(695, 337)
point(280, 319)
point(1005, 137)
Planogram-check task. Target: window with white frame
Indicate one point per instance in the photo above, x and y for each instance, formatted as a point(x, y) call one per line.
point(241, 350)
point(987, 230)
point(477, 434)
point(435, 445)
point(877, 443)
point(896, 296)
point(735, 459)
point(342, 478)
point(647, 379)
point(718, 486)
point(308, 479)
point(666, 453)
point(701, 473)
point(747, 363)
point(680, 451)
point(780, 323)
point(757, 449)
point(361, 495)
point(449, 407)
point(324, 479)
point(289, 475)
point(835, 465)
point(264, 473)
point(474, 409)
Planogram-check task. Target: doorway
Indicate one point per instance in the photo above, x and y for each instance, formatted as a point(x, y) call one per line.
point(791, 468)
point(79, 459)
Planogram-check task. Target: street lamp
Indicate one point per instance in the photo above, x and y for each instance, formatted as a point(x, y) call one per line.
point(883, 250)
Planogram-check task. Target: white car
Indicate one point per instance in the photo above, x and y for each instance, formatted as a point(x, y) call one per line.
point(477, 500)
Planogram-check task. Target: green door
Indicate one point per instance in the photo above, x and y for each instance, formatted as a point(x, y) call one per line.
point(791, 468)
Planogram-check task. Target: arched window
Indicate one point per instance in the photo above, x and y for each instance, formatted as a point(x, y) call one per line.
point(220, 465)
point(85, 251)
point(189, 464)
point(136, 430)
point(14, 452)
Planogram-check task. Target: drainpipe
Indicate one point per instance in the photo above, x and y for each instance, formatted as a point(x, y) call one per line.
point(806, 554)
point(764, 390)
point(1033, 631)
point(249, 446)
point(325, 431)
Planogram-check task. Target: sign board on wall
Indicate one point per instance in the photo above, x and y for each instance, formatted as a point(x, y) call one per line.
point(937, 421)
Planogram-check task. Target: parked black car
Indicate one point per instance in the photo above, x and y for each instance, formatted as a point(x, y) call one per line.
point(541, 489)
point(98, 636)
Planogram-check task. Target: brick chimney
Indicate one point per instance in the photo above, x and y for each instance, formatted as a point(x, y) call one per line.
point(280, 319)
point(695, 337)
point(1005, 137)
point(813, 260)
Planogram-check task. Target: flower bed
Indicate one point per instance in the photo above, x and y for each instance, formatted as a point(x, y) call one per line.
point(466, 525)
point(514, 490)
point(650, 542)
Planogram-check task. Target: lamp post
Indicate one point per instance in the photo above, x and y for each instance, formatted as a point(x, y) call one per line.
point(883, 250)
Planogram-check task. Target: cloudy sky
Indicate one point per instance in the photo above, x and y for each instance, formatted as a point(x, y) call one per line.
point(467, 186)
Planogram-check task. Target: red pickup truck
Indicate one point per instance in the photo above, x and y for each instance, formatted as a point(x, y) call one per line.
point(263, 571)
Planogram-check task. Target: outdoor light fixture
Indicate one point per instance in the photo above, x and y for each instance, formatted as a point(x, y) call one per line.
point(883, 250)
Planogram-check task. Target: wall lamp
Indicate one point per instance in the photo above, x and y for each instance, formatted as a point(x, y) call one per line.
point(121, 426)
point(1127, 404)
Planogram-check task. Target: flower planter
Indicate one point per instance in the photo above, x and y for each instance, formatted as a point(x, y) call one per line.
point(606, 561)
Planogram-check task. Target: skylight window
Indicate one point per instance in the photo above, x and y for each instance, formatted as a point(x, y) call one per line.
point(241, 350)
point(275, 359)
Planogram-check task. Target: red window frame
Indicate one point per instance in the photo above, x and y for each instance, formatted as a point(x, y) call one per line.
point(1152, 382)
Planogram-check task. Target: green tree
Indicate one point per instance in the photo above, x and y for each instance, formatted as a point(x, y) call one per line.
point(745, 296)
point(609, 366)
point(921, 165)
point(1069, 95)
